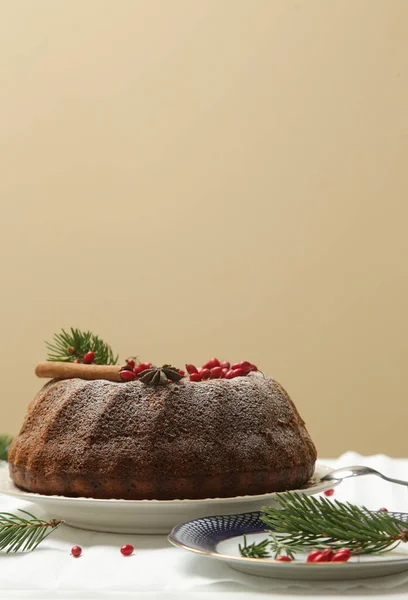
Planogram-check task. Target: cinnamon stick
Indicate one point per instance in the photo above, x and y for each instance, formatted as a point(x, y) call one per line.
point(63, 370)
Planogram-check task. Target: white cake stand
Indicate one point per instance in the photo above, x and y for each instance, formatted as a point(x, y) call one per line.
point(146, 516)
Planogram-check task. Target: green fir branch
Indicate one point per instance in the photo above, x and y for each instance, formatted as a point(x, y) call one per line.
point(19, 533)
point(73, 345)
point(308, 522)
point(301, 523)
point(5, 442)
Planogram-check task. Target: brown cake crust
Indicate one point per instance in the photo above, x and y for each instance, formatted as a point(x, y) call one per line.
point(215, 438)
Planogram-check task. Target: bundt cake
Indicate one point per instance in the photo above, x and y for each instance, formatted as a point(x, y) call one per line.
point(214, 438)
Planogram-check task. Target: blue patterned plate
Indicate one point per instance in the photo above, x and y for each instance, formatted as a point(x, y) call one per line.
point(218, 537)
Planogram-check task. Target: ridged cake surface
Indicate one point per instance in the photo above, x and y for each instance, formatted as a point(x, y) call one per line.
point(215, 438)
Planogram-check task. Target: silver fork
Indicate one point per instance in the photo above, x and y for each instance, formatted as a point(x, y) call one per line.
point(356, 471)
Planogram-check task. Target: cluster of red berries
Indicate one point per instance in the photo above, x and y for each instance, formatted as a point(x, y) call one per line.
point(326, 555)
point(126, 550)
point(214, 369)
point(132, 370)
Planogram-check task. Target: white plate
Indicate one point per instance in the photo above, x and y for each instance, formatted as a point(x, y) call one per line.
point(146, 516)
point(218, 537)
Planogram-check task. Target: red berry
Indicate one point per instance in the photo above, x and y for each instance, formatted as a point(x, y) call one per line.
point(225, 364)
point(215, 373)
point(181, 372)
point(210, 364)
point(223, 372)
point(245, 365)
point(89, 358)
point(235, 366)
point(138, 369)
point(127, 375)
point(233, 373)
point(312, 555)
point(383, 509)
point(205, 373)
point(238, 372)
point(130, 363)
point(145, 365)
point(319, 557)
point(328, 553)
point(328, 492)
point(342, 555)
point(76, 551)
point(191, 369)
point(127, 550)
point(283, 558)
point(195, 377)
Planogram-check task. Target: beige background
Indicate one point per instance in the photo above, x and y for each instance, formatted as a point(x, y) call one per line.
point(189, 178)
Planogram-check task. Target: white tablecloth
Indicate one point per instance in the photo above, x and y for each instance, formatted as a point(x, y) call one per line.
point(158, 570)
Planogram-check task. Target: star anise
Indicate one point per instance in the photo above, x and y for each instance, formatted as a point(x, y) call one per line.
point(160, 375)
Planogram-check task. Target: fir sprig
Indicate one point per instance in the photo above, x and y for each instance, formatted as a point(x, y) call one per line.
point(73, 345)
point(279, 546)
point(5, 441)
point(260, 550)
point(309, 522)
point(300, 523)
point(19, 533)
point(254, 550)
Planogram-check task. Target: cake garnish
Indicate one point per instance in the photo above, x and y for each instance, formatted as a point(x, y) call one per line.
point(214, 369)
point(127, 374)
point(78, 346)
point(66, 370)
point(131, 370)
point(96, 360)
point(160, 375)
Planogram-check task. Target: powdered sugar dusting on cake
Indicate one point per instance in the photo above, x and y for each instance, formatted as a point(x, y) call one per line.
point(129, 440)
